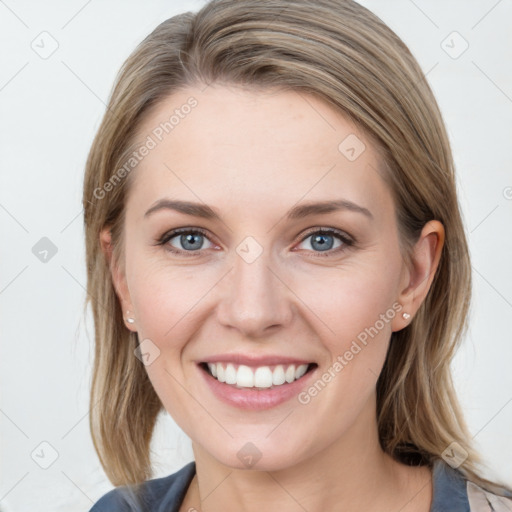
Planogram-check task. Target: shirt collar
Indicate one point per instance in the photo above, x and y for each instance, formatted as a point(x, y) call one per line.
point(449, 491)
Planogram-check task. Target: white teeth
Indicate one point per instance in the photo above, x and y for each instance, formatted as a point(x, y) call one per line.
point(230, 374)
point(300, 371)
point(220, 373)
point(290, 374)
point(261, 377)
point(278, 377)
point(244, 377)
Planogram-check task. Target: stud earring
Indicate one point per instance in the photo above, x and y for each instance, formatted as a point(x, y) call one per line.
point(129, 319)
point(406, 316)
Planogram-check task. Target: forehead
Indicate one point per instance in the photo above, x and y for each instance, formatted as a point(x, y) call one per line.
point(226, 143)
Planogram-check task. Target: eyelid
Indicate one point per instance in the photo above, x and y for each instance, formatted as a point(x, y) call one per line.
point(330, 231)
point(169, 235)
point(348, 240)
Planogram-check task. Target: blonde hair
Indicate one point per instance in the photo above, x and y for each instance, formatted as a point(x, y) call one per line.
point(345, 55)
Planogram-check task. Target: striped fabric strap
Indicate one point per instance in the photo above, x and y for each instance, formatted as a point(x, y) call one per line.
point(484, 501)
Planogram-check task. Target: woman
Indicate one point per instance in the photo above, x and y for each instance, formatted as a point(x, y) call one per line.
point(276, 258)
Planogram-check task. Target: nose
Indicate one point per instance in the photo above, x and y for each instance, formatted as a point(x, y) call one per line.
point(255, 298)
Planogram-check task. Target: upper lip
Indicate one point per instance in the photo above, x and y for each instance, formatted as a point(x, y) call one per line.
point(253, 360)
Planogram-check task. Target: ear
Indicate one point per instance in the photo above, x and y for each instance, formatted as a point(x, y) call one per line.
point(118, 279)
point(418, 276)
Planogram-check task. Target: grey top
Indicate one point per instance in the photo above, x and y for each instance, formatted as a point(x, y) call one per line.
point(451, 493)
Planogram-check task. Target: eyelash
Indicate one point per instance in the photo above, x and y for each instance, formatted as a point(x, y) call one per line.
point(347, 241)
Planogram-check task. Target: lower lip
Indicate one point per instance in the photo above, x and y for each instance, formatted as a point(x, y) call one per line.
point(256, 399)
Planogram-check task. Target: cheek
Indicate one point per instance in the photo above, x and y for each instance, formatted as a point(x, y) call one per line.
point(168, 307)
point(355, 308)
point(162, 300)
point(171, 302)
point(356, 312)
point(348, 301)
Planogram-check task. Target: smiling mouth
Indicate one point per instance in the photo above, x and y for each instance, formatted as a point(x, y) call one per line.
point(261, 377)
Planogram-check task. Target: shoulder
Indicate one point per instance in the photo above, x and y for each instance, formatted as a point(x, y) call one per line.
point(452, 492)
point(156, 495)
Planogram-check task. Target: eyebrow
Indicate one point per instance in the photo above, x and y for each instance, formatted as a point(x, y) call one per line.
point(298, 212)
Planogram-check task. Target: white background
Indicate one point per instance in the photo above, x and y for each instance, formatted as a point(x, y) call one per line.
point(50, 110)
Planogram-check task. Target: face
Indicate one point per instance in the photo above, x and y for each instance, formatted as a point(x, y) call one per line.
point(258, 280)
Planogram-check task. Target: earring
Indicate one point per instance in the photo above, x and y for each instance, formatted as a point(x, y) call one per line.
point(129, 319)
point(406, 316)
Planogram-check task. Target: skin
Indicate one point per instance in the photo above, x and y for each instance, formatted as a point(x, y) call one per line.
point(253, 155)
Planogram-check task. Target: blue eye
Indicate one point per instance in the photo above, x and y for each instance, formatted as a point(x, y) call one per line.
point(190, 241)
point(323, 240)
